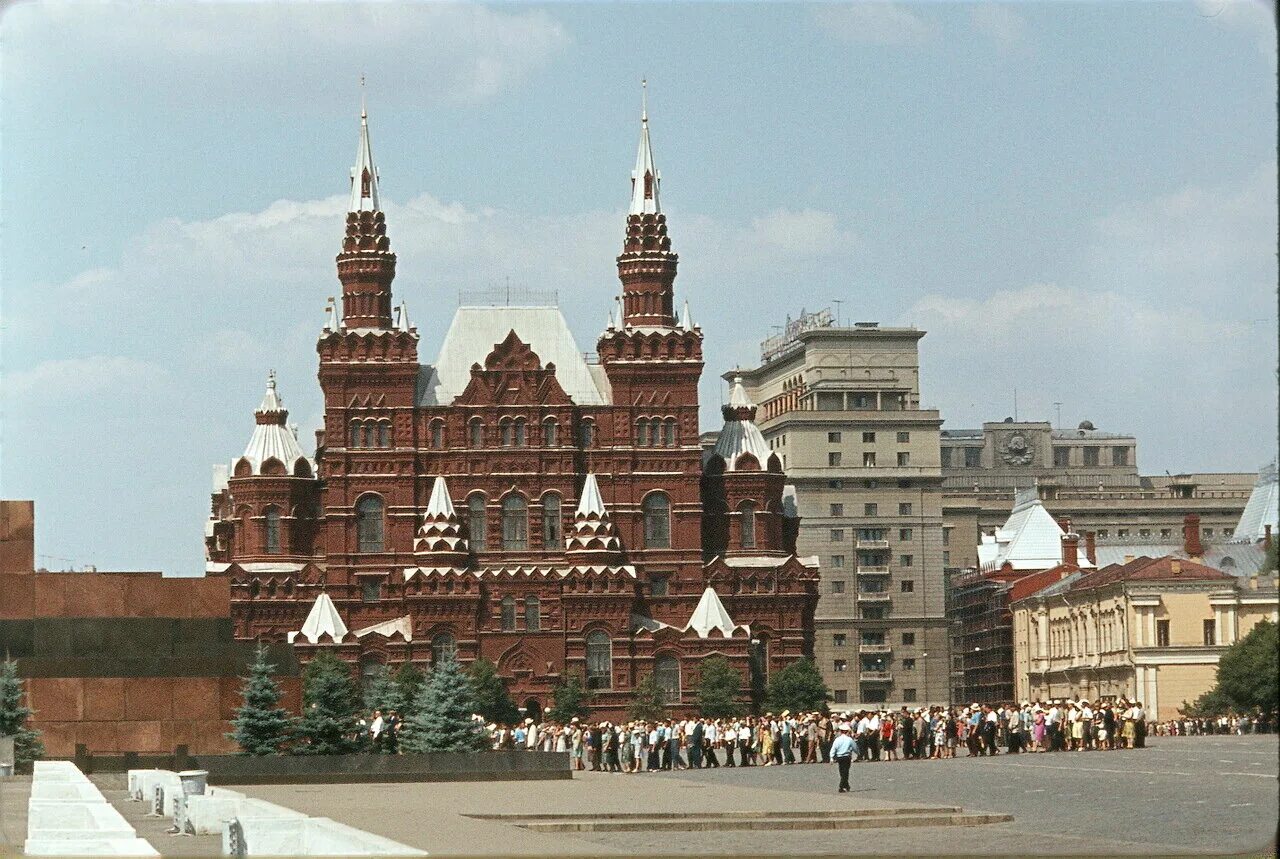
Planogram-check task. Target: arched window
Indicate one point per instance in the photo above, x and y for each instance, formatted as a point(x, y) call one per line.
point(355, 434)
point(532, 614)
point(599, 660)
point(1228, 563)
point(504, 432)
point(369, 536)
point(437, 433)
point(521, 432)
point(669, 432)
point(371, 669)
point(551, 527)
point(657, 521)
point(666, 672)
point(587, 434)
point(271, 525)
point(642, 433)
point(747, 524)
point(443, 646)
point(475, 432)
point(508, 613)
point(655, 431)
point(366, 439)
point(476, 522)
point(550, 432)
point(515, 523)
point(384, 434)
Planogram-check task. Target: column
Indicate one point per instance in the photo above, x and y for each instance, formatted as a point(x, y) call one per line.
point(1042, 643)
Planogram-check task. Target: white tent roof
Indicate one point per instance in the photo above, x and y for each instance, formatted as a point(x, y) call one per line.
point(711, 614)
point(1262, 509)
point(476, 330)
point(363, 200)
point(323, 619)
point(401, 625)
point(591, 500)
point(740, 434)
point(644, 201)
point(272, 440)
point(440, 504)
point(1029, 540)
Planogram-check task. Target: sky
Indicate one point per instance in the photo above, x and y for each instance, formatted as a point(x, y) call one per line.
point(1077, 201)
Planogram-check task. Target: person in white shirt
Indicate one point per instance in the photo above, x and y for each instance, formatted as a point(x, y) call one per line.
point(842, 755)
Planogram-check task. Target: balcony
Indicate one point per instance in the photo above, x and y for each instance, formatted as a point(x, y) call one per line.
point(872, 544)
point(874, 648)
point(873, 596)
point(875, 676)
point(872, 571)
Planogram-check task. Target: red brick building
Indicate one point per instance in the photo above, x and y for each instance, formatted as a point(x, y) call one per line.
point(512, 500)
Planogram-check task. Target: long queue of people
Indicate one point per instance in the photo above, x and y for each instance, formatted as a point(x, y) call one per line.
point(909, 734)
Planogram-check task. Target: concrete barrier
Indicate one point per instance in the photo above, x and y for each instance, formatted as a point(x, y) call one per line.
point(364, 768)
point(157, 788)
point(136, 789)
point(57, 771)
point(307, 836)
point(90, 847)
point(65, 790)
point(75, 819)
point(208, 815)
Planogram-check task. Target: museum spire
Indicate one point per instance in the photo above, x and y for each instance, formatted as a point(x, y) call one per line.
point(366, 265)
point(645, 178)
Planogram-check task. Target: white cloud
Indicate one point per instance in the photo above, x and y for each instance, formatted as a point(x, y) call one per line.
point(878, 22)
point(1255, 16)
point(66, 377)
point(999, 21)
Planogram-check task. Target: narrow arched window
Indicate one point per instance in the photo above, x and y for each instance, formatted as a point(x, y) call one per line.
point(549, 432)
point(367, 434)
point(521, 432)
point(587, 434)
point(657, 521)
point(271, 525)
point(476, 522)
point(669, 433)
point(515, 523)
point(508, 613)
point(504, 432)
point(642, 433)
point(599, 660)
point(369, 530)
point(655, 432)
point(443, 646)
point(475, 432)
point(532, 614)
point(355, 434)
point(747, 524)
point(666, 672)
point(437, 434)
point(384, 434)
point(551, 528)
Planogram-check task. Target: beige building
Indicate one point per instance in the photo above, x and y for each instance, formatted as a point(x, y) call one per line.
point(841, 408)
point(1151, 629)
point(1086, 475)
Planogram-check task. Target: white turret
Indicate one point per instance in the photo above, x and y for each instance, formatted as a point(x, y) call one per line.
point(645, 178)
point(364, 175)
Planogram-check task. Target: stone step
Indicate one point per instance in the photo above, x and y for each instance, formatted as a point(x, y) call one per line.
point(770, 822)
point(679, 815)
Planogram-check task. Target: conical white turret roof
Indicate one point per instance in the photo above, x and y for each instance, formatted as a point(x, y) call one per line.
point(591, 501)
point(271, 439)
point(323, 619)
point(645, 178)
point(740, 435)
point(711, 614)
point(440, 503)
point(440, 537)
point(364, 175)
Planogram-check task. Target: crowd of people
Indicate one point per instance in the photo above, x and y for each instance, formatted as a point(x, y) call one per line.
point(1237, 724)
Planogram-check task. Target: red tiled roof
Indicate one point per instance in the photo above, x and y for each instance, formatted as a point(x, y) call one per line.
point(1166, 569)
point(1029, 585)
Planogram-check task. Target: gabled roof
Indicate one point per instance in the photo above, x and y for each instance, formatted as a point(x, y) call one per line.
point(1262, 509)
point(1029, 540)
point(476, 330)
point(711, 614)
point(1166, 569)
point(402, 626)
point(323, 619)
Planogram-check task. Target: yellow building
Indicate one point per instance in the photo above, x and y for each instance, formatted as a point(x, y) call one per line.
point(1151, 629)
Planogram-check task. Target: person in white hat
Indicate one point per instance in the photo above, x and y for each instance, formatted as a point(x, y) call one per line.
point(842, 755)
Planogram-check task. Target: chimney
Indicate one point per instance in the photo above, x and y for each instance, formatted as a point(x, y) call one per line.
point(1071, 549)
point(1191, 536)
point(1091, 547)
point(1065, 524)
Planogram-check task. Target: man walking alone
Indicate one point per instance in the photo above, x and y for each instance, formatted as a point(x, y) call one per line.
point(842, 754)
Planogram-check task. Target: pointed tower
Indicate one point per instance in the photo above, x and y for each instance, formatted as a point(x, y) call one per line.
point(647, 267)
point(742, 486)
point(440, 542)
point(366, 265)
point(593, 539)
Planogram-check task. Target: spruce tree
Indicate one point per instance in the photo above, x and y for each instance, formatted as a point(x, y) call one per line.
point(718, 689)
point(14, 715)
point(569, 699)
point(330, 703)
point(798, 688)
point(648, 702)
point(383, 693)
point(491, 698)
point(409, 680)
point(442, 719)
point(262, 726)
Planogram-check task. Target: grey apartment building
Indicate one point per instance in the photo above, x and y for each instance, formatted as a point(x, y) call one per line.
point(841, 408)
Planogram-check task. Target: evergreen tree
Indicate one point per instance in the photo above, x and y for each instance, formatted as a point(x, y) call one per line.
point(718, 689)
point(798, 688)
point(442, 714)
point(262, 726)
point(409, 679)
point(14, 715)
point(330, 703)
point(569, 699)
point(383, 692)
point(1248, 675)
point(648, 703)
point(491, 698)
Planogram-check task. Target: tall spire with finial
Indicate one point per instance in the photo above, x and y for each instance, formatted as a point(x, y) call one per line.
point(366, 265)
point(646, 267)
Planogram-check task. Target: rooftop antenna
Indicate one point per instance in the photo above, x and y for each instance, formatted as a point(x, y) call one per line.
point(1058, 406)
point(644, 100)
point(837, 302)
point(1015, 405)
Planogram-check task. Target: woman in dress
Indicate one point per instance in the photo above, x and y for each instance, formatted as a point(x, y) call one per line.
point(1037, 730)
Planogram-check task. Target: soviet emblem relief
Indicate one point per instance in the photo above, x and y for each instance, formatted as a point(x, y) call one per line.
point(1017, 450)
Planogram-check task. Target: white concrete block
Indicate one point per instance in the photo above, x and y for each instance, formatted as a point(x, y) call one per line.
point(323, 831)
point(137, 789)
point(65, 790)
point(207, 815)
point(90, 847)
point(69, 818)
point(313, 836)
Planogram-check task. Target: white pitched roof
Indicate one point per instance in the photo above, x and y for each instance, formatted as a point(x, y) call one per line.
point(440, 504)
point(388, 628)
point(1029, 540)
point(740, 434)
point(710, 614)
point(1262, 509)
point(644, 196)
point(323, 619)
point(476, 330)
point(364, 196)
point(591, 500)
point(272, 439)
